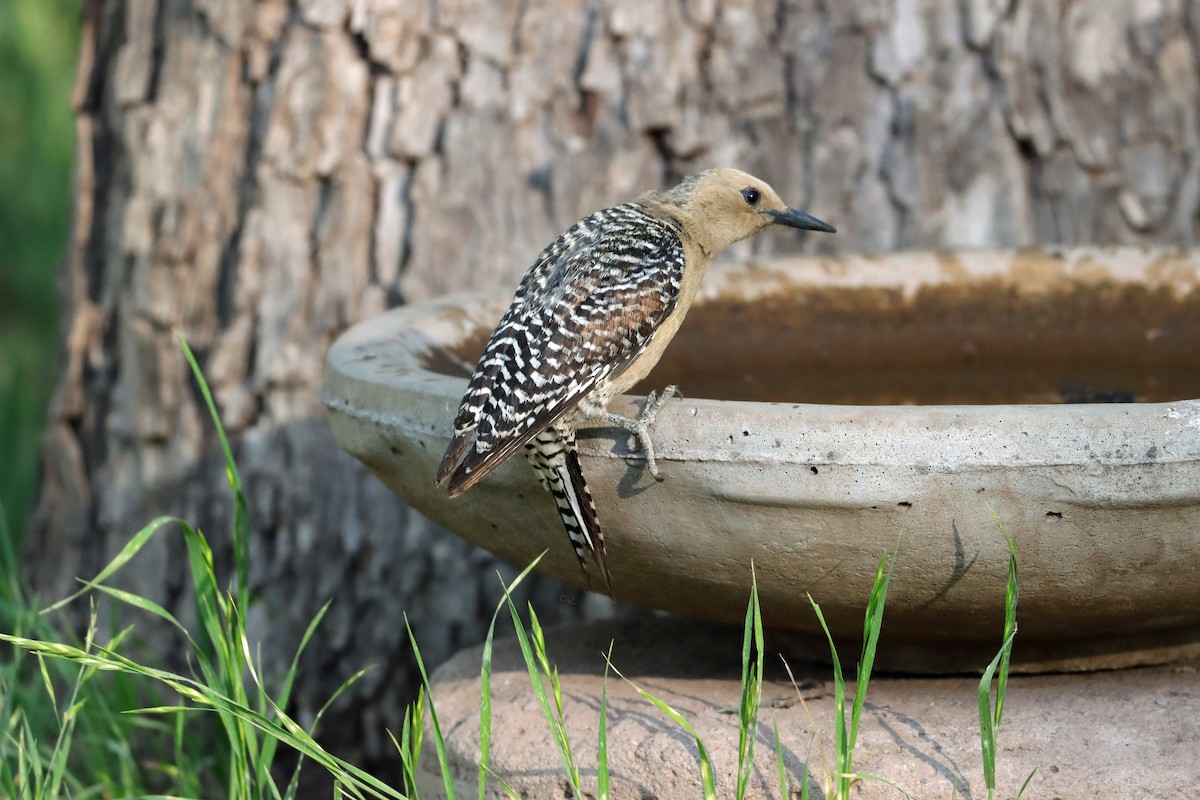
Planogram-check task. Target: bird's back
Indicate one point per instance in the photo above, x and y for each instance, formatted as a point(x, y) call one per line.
point(588, 306)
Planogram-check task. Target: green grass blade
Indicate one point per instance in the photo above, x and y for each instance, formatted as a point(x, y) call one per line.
point(57, 766)
point(550, 672)
point(241, 516)
point(508, 790)
point(261, 757)
point(990, 716)
point(407, 762)
point(285, 691)
point(532, 666)
point(751, 696)
point(872, 624)
point(1011, 592)
point(416, 735)
point(783, 781)
point(220, 660)
point(150, 710)
point(537, 664)
point(48, 683)
point(987, 726)
point(602, 776)
point(485, 707)
point(131, 549)
point(289, 678)
point(412, 731)
point(485, 680)
point(854, 777)
point(1025, 785)
point(351, 778)
point(846, 737)
point(220, 616)
point(144, 604)
point(438, 741)
point(707, 775)
point(42, 768)
point(209, 605)
point(842, 755)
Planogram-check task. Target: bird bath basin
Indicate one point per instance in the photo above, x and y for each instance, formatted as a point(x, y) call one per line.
point(835, 407)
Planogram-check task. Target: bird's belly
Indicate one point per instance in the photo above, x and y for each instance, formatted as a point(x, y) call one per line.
point(646, 361)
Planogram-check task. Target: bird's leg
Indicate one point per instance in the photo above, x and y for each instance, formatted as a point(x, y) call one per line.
point(639, 426)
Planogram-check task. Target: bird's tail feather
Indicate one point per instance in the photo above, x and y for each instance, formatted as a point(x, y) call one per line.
point(556, 460)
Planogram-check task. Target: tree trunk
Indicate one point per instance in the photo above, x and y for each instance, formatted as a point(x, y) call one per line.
point(261, 175)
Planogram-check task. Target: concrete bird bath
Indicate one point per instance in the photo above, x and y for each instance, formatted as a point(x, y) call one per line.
point(835, 406)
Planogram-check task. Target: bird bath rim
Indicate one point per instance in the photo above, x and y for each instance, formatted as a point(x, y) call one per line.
point(726, 462)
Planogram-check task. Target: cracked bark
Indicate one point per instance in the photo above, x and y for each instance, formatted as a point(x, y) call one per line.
point(261, 175)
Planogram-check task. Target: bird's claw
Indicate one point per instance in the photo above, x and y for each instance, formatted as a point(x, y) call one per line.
point(639, 426)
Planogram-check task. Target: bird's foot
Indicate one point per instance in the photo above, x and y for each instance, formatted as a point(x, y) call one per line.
point(639, 426)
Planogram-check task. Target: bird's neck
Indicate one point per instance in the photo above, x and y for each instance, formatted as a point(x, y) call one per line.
point(667, 209)
point(698, 249)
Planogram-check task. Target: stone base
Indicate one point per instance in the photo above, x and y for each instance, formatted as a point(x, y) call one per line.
point(1131, 733)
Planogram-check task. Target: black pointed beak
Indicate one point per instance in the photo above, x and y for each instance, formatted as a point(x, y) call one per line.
point(798, 219)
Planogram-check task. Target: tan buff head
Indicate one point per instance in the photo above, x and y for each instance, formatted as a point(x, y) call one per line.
point(721, 206)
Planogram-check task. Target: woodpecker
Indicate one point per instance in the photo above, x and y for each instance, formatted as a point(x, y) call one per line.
point(589, 320)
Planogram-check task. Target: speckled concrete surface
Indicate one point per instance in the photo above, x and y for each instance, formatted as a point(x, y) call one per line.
point(1112, 734)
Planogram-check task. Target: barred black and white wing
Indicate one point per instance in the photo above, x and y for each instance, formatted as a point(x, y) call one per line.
point(586, 309)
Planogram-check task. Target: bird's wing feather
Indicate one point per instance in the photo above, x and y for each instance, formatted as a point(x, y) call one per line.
point(586, 308)
point(480, 386)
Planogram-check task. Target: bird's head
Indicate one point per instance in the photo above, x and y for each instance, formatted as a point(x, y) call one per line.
point(719, 207)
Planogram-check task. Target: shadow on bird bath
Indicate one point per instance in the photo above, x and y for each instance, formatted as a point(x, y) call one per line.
point(833, 405)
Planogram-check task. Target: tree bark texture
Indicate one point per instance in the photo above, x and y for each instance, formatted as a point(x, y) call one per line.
point(261, 175)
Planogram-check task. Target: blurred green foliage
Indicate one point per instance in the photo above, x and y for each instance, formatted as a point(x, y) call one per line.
point(39, 43)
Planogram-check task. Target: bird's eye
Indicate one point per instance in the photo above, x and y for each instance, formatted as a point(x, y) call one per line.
point(751, 195)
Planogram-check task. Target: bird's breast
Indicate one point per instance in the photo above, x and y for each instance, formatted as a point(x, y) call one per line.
point(695, 265)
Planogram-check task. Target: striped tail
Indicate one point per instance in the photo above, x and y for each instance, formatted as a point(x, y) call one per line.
point(556, 462)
